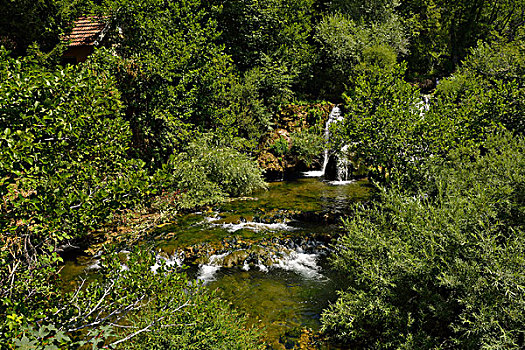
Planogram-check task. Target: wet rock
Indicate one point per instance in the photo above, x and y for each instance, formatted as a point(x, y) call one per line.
point(235, 258)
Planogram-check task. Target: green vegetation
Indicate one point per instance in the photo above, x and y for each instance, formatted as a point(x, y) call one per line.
point(437, 260)
point(442, 266)
point(183, 96)
point(66, 170)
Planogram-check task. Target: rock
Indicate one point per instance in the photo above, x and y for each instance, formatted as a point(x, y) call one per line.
point(235, 258)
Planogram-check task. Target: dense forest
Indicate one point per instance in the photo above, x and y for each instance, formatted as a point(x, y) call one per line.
point(178, 108)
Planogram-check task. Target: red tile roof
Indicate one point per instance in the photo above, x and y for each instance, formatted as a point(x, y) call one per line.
point(86, 31)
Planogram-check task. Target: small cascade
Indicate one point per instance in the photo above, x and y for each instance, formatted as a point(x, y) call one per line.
point(207, 271)
point(299, 257)
point(336, 165)
point(334, 117)
point(175, 260)
point(302, 263)
point(343, 166)
point(254, 226)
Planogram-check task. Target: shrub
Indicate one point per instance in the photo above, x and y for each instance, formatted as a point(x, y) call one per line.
point(441, 267)
point(205, 174)
point(280, 146)
point(64, 171)
point(491, 81)
point(130, 305)
point(344, 43)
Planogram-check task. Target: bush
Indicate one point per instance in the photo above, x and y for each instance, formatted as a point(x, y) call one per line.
point(130, 305)
point(280, 146)
point(441, 267)
point(63, 149)
point(178, 313)
point(205, 174)
point(379, 56)
point(491, 80)
point(64, 171)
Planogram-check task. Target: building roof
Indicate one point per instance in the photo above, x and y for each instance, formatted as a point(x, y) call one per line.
point(86, 31)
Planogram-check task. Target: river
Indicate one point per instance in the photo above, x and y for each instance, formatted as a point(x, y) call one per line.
point(267, 254)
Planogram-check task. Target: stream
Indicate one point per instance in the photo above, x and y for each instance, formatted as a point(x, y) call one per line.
point(267, 254)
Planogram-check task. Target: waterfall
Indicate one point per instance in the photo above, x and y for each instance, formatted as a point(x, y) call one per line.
point(343, 164)
point(335, 116)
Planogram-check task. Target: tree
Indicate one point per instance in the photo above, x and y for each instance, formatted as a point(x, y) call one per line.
point(172, 73)
point(64, 172)
point(443, 31)
point(384, 124)
point(491, 80)
point(278, 29)
point(344, 44)
point(41, 23)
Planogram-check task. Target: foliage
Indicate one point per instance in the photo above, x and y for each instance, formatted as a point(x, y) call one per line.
point(379, 56)
point(26, 22)
point(173, 76)
point(64, 165)
point(388, 125)
point(382, 121)
point(135, 302)
point(442, 31)
point(307, 145)
point(280, 146)
point(365, 10)
point(64, 171)
point(254, 98)
point(441, 267)
point(491, 78)
point(344, 43)
point(205, 173)
point(278, 30)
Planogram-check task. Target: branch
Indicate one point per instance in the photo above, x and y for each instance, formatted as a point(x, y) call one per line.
point(145, 329)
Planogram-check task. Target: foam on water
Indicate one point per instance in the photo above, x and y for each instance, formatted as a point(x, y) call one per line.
point(207, 271)
point(94, 266)
point(340, 183)
point(256, 226)
point(174, 260)
point(262, 267)
point(210, 219)
point(313, 173)
point(302, 263)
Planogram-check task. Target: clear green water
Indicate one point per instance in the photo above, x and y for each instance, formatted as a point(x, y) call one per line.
point(283, 301)
point(281, 200)
point(285, 295)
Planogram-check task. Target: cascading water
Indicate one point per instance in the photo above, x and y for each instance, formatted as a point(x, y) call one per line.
point(266, 254)
point(334, 117)
point(423, 105)
point(343, 165)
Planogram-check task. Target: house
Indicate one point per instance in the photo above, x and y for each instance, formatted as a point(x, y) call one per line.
point(87, 33)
